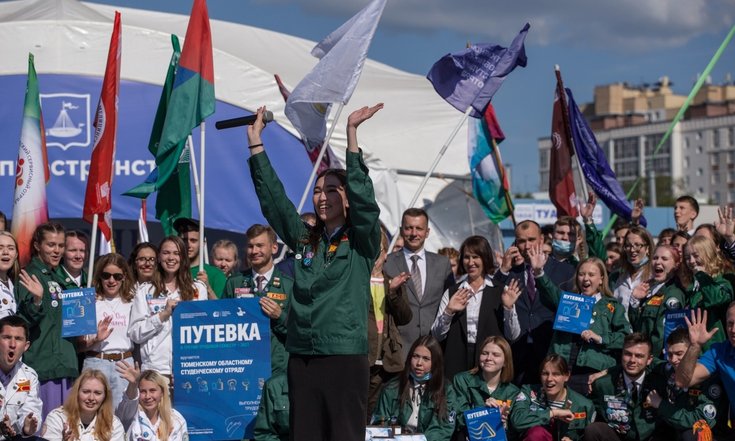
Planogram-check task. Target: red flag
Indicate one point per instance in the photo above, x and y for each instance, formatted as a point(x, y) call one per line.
point(561, 181)
point(98, 197)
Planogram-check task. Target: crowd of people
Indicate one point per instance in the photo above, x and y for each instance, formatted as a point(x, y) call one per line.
point(363, 335)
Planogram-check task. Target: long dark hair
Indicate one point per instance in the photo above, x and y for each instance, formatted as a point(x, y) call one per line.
point(315, 233)
point(134, 256)
point(184, 281)
point(435, 385)
point(476, 245)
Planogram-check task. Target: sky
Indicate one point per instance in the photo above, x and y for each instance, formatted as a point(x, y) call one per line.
point(593, 42)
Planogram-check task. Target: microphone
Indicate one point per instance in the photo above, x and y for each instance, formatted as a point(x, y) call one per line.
point(243, 121)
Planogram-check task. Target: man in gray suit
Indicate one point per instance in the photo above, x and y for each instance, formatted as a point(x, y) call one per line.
point(430, 275)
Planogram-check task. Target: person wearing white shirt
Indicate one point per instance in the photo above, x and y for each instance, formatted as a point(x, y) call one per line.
point(9, 271)
point(87, 413)
point(475, 308)
point(21, 407)
point(150, 316)
point(146, 411)
point(113, 284)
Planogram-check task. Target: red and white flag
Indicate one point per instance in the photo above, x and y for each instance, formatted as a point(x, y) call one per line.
point(98, 198)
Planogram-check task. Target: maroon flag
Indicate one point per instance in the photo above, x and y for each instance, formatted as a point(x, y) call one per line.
point(561, 180)
point(98, 197)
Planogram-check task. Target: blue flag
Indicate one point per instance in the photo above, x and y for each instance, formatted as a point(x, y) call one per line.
point(596, 170)
point(471, 77)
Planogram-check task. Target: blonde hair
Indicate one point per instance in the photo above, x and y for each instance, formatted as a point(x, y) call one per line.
point(714, 265)
point(14, 271)
point(604, 286)
point(164, 407)
point(105, 416)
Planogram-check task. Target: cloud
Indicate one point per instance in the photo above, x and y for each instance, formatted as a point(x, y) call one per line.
point(638, 25)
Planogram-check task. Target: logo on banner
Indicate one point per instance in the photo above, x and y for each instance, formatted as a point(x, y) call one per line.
point(71, 115)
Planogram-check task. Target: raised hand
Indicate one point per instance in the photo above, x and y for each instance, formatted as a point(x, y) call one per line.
point(641, 291)
point(653, 400)
point(726, 223)
point(30, 425)
point(255, 130)
point(637, 211)
point(537, 258)
point(586, 210)
point(129, 372)
point(510, 295)
point(361, 115)
point(458, 302)
point(511, 258)
point(398, 281)
point(698, 333)
point(103, 328)
point(33, 285)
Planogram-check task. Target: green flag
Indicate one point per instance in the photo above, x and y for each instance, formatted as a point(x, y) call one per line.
point(174, 195)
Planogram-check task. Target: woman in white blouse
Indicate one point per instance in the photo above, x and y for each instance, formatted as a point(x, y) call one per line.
point(113, 283)
point(146, 409)
point(87, 413)
point(9, 272)
point(150, 317)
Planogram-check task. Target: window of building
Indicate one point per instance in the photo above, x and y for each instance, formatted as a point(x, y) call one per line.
point(715, 158)
point(716, 197)
point(715, 178)
point(544, 158)
point(731, 176)
point(686, 162)
point(731, 136)
point(732, 196)
point(716, 138)
point(730, 157)
point(699, 172)
point(686, 142)
point(699, 150)
point(699, 136)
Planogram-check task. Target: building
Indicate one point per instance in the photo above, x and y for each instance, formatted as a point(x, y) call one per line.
point(697, 159)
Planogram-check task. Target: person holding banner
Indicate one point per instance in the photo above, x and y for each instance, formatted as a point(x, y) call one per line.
point(154, 303)
point(487, 384)
point(145, 410)
point(9, 272)
point(142, 262)
point(113, 283)
point(420, 400)
point(39, 303)
point(636, 266)
point(651, 299)
point(87, 414)
point(596, 347)
point(327, 322)
point(551, 410)
point(709, 289)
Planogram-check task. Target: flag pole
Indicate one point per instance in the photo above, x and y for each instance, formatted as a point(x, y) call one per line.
point(503, 177)
point(432, 168)
point(193, 162)
point(565, 118)
point(318, 161)
point(90, 268)
point(202, 132)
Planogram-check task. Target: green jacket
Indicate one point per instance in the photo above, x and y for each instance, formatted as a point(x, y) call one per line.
point(278, 289)
point(648, 317)
point(215, 276)
point(633, 421)
point(595, 243)
point(51, 356)
point(532, 408)
point(471, 392)
point(389, 412)
point(712, 294)
point(329, 311)
point(681, 408)
point(271, 423)
point(608, 321)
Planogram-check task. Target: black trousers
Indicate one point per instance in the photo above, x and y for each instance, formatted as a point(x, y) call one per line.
point(328, 397)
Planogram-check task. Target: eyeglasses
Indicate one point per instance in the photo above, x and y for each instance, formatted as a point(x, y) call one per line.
point(146, 260)
point(117, 276)
point(634, 246)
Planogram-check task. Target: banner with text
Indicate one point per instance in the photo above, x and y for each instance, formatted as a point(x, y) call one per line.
point(221, 355)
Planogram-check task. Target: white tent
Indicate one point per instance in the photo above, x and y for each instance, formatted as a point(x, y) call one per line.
point(71, 37)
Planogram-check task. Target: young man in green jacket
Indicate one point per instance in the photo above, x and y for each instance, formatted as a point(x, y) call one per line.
point(620, 396)
point(265, 281)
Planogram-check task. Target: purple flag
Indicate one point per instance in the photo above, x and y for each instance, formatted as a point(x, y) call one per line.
point(471, 77)
point(595, 168)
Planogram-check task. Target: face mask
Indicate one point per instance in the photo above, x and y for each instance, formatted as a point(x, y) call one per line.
point(562, 247)
point(641, 263)
point(423, 379)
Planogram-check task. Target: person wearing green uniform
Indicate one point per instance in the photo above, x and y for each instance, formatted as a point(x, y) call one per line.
point(709, 290)
point(597, 347)
point(265, 281)
point(271, 422)
point(420, 400)
point(76, 245)
point(39, 302)
point(651, 299)
point(551, 410)
point(620, 397)
point(487, 384)
point(686, 412)
point(211, 276)
point(327, 338)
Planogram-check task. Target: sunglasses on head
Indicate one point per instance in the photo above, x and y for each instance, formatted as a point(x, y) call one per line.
point(117, 276)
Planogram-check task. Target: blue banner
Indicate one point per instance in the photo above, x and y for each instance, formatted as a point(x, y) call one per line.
point(596, 169)
point(471, 77)
point(484, 423)
point(78, 312)
point(68, 110)
point(673, 320)
point(574, 313)
point(221, 359)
